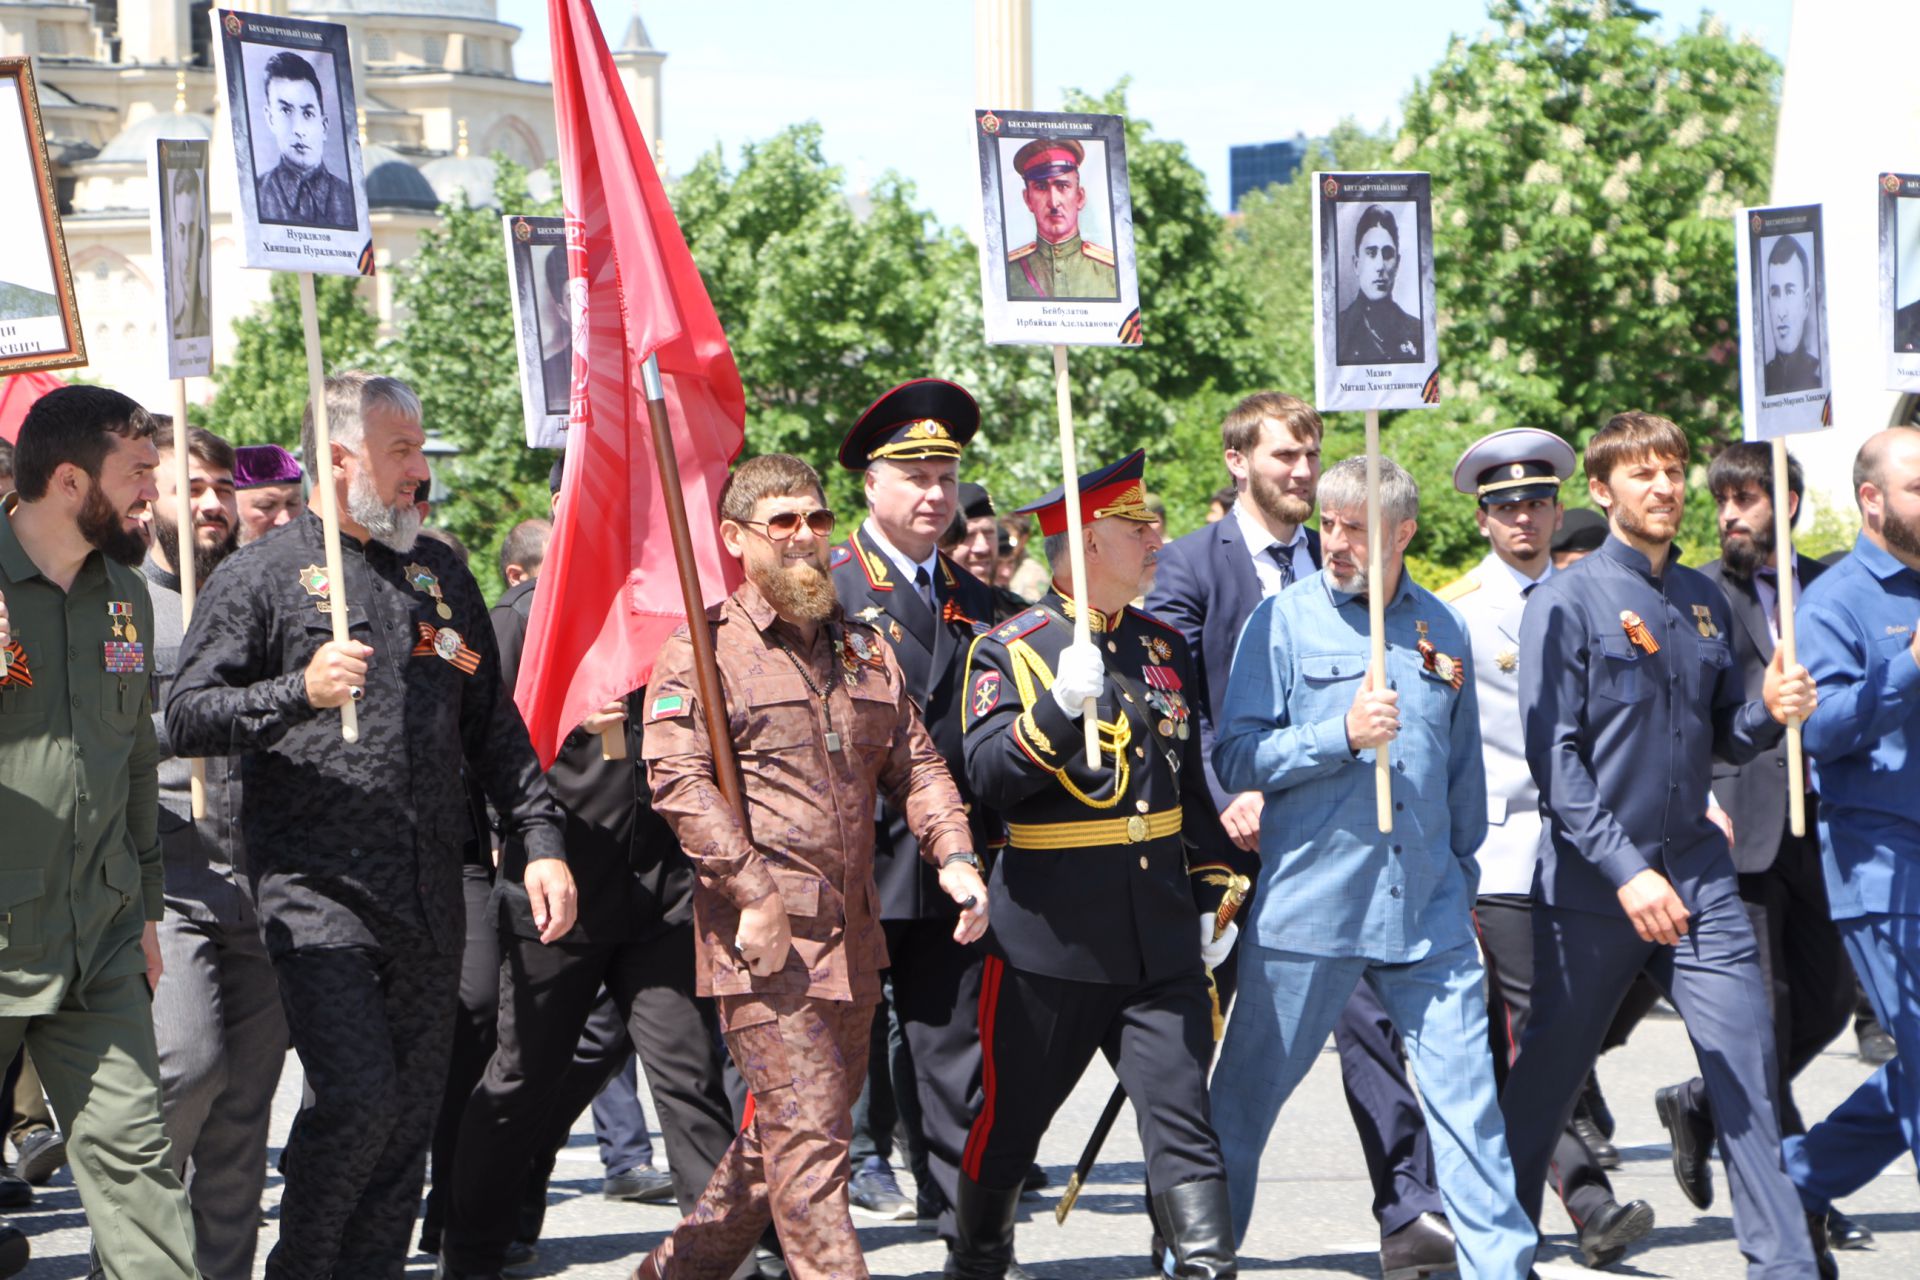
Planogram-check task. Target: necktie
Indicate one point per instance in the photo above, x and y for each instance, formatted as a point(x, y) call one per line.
point(923, 585)
point(1282, 556)
point(1771, 576)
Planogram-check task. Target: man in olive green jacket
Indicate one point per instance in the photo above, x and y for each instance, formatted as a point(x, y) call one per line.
point(80, 872)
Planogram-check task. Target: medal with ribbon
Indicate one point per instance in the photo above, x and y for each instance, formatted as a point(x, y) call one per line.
point(13, 667)
point(445, 643)
point(120, 614)
point(425, 581)
point(1446, 666)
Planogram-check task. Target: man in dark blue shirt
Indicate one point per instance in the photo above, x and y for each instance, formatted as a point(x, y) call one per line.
point(1860, 637)
point(1634, 687)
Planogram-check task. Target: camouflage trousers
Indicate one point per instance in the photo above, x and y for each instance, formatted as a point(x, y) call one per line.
point(373, 1029)
point(789, 1162)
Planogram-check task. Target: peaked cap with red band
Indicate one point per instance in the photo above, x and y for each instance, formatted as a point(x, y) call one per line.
point(1045, 158)
point(925, 418)
point(1118, 489)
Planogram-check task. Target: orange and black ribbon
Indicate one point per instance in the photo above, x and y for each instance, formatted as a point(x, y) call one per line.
point(1637, 632)
point(15, 674)
point(951, 612)
point(455, 652)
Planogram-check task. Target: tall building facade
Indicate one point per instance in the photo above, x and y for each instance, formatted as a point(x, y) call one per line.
point(1256, 166)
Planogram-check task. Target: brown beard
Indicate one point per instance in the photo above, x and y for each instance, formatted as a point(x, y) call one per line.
point(1900, 535)
point(1276, 503)
point(798, 592)
point(1743, 557)
point(102, 525)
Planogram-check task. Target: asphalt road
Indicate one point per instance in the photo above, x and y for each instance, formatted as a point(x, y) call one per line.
point(1312, 1220)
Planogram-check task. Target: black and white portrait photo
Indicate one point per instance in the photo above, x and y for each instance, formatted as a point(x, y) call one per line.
point(542, 324)
point(1056, 252)
point(1791, 316)
point(39, 325)
point(289, 90)
point(1785, 373)
point(1900, 278)
point(182, 242)
point(1376, 343)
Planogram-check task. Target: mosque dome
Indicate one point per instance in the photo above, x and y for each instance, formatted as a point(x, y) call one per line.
point(392, 183)
point(134, 144)
point(470, 174)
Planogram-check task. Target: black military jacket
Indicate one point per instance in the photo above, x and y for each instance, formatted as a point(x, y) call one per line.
point(1379, 333)
point(356, 844)
point(633, 879)
point(932, 654)
point(1111, 899)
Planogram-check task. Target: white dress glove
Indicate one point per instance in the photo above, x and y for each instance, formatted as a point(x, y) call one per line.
point(1082, 674)
point(1214, 950)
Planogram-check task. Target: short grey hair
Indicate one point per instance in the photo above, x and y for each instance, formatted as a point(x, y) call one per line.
point(1343, 487)
point(350, 394)
point(1054, 548)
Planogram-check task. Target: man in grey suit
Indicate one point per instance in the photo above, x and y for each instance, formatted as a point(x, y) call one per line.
point(1516, 476)
point(1778, 873)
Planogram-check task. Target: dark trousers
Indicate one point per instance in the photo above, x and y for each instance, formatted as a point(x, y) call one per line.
point(473, 1038)
point(620, 1123)
point(1386, 1115)
point(1505, 925)
point(373, 1029)
point(1801, 962)
point(546, 995)
point(1583, 965)
point(1037, 1035)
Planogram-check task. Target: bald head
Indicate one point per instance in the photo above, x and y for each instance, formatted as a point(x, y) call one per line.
point(1886, 484)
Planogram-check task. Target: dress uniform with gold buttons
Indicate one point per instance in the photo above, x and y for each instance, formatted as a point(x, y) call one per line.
point(1093, 944)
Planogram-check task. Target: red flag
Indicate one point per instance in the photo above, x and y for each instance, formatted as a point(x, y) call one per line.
point(609, 591)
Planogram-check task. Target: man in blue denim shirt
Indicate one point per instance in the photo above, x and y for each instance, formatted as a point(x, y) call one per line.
point(1339, 901)
point(1860, 638)
point(1630, 695)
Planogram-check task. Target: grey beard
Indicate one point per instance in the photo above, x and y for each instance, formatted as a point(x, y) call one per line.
point(396, 528)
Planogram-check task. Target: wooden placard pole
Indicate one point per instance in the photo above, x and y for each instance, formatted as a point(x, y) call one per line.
point(323, 485)
point(184, 550)
point(1377, 619)
point(1076, 553)
point(1783, 557)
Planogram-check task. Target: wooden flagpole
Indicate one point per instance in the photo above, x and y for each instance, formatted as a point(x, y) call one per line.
point(184, 551)
point(1377, 620)
point(706, 673)
point(323, 485)
point(1783, 557)
point(1076, 552)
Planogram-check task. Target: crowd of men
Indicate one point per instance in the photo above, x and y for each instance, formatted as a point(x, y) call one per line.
point(933, 831)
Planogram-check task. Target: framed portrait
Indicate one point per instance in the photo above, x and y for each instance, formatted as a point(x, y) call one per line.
point(39, 325)
point(288, 85)
point(1900, 279)
point(1375, 334)
point(1786, 378)
point(542, 324)
point(1057, 261)
point(183, 245)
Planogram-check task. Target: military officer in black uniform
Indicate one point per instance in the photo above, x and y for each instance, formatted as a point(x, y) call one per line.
point(891, 575)
point(1097, 949)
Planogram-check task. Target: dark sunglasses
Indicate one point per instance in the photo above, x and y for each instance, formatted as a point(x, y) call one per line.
point(784, 525)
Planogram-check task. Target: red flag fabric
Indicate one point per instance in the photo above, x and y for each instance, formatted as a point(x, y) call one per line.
point(17, 395)
point(609, 591)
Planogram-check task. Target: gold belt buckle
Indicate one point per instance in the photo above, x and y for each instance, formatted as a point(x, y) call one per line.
point(1136, 829)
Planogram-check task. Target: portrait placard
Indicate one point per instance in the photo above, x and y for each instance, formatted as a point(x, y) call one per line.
point(1785, 380)
point(183, 245)
point(39, 325)
point(1900, 279)
point(542, 327)
point(288, 85)
point(1375, 334)
point(1056, 251)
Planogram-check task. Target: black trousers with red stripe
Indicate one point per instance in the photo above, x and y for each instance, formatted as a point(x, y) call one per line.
point(1037, 1035)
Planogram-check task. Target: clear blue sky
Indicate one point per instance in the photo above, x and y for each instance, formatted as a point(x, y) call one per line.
point(892, 83)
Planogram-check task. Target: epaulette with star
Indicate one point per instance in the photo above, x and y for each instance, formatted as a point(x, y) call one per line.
point(1144, 616)
point(1020, 625)
point(1098, 252)
point(838, 556)
point(1022, 251)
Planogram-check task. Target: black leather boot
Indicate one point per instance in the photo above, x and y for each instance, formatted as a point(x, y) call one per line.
point(1199, 1222)
point(983, 1219)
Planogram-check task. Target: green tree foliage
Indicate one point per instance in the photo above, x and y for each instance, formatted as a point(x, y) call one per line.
point(260, 394)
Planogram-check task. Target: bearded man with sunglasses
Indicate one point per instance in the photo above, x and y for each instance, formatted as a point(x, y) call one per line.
point(788, 936)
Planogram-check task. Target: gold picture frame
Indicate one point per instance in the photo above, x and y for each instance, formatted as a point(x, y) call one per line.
point(39, 321)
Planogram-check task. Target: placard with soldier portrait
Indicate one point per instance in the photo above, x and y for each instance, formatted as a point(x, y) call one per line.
point(542, 324)
point(1056, 252)
point(1900, 279)
point(39, 324)
point(182, 245)
point(288, 85)
point(1786, 383)
point(1375, 335)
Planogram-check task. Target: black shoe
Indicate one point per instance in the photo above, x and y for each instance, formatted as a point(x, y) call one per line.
point(522, 1258)
point(983, 1219)
point(644, 1185)
point(1593, 1105)
point(875, 1193)
point(14, 1191)
point(1604, 1237)
point(1822, 1254)
point(1877, 1048)
point(1036, 1178)
point(1598, 1145)
point(1844, 1233)
point(928, 1205)
point(1199, 1221)
point(41, 1153)
point(1421, 1248)
point(1692, 1138)
point(14, 1249)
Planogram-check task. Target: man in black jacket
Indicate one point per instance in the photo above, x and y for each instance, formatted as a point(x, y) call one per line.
point(1779, 874)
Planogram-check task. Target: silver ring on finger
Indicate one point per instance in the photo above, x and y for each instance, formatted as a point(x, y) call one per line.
point(356, 693)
